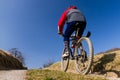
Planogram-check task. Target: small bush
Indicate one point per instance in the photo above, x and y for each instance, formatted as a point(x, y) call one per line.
point(49, 63)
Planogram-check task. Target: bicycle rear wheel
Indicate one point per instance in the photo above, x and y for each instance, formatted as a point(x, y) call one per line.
point(64, 62)
point(84, 57)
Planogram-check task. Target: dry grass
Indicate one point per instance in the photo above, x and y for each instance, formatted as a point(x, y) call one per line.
point(57, 66)
point(107, 62)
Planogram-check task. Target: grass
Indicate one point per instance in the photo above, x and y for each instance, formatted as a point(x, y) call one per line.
point(57, 66)
point(57, 75)
point(103, 64)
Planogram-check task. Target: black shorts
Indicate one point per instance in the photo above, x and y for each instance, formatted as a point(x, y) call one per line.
point(81, 26)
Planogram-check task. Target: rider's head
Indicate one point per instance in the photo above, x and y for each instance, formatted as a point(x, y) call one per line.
point(73, 7)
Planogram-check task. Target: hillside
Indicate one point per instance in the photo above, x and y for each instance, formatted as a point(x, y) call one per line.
point(7, 61)
point(105, 63)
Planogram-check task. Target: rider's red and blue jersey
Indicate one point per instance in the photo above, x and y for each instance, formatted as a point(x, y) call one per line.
point(63, 19)
point(69, 15)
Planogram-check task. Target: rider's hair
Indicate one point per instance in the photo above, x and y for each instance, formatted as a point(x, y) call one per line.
point(74, 7)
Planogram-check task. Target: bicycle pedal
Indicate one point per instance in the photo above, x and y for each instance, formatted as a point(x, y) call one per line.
point(65, 58)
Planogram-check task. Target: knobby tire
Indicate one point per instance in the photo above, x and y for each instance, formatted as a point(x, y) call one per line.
point(90, 59)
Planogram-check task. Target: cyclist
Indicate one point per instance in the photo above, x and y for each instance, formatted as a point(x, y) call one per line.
point(74, 18)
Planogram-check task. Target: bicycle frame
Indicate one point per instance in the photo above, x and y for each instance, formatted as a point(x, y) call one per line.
point(75, 39)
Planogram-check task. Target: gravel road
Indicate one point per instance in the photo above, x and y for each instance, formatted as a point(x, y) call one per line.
point(12, 74)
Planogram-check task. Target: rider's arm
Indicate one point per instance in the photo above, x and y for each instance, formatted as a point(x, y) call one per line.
point(62, 22)
point(63, 19)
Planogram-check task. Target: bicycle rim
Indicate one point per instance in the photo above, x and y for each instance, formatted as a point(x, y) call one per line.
point(64, 62)
point(83, 65)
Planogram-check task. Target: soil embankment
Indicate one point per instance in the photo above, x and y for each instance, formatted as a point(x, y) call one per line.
point(8, 62)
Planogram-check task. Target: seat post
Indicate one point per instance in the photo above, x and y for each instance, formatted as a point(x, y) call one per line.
point(77, 32)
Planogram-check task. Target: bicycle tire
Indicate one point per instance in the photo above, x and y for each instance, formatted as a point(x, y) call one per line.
point(86, 66)
point(64, 62)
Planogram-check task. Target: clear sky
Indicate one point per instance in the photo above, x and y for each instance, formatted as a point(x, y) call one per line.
point(31, 26)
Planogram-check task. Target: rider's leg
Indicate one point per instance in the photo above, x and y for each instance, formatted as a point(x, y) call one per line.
point(82, 26)
point(66, 44)
point(69, 30)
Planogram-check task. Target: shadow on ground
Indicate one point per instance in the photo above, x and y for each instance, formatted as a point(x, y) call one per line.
point(100, 66)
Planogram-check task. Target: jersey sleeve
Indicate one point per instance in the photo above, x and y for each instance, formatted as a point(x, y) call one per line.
point(62, 21)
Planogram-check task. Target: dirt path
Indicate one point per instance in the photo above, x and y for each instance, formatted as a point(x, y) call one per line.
point(12, 74)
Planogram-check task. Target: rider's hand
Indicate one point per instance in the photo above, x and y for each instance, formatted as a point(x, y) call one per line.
point(60, 33)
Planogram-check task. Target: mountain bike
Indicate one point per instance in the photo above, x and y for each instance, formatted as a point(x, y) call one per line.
point(82, 53)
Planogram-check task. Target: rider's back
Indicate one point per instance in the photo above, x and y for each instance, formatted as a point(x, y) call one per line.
point(75, 15)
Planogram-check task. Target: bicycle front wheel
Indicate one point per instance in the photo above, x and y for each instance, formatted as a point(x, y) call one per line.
point(84, 56)
point(64, 62)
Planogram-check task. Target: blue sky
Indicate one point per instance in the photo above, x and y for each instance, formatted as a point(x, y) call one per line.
point(31, 26)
